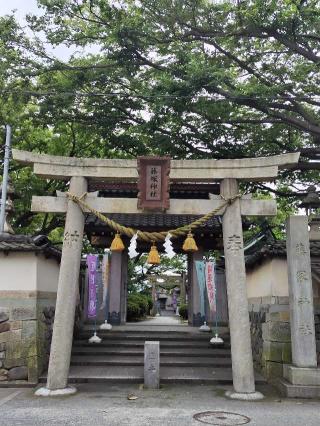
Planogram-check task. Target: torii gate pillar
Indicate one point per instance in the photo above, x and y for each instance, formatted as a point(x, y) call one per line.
point(242, 364)
point(61, 345)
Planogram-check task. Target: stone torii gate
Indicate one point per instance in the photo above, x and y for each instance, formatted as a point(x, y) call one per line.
point(228, 172)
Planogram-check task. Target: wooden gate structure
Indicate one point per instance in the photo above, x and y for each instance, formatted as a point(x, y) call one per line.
point(79, 171)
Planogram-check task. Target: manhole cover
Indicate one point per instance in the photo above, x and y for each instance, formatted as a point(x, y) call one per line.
point(221, 418)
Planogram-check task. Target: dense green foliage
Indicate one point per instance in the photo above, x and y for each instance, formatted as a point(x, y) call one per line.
point(140, 274)
point(191, 79)
point(183, 311)
point(138, 306)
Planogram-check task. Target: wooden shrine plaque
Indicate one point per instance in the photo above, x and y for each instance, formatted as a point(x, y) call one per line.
point(153, 183)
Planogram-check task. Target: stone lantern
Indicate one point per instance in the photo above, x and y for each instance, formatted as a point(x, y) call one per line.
point(9, 207)
point(311, 203)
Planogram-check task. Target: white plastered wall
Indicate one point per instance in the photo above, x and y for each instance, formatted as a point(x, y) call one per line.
point(279, 277)
point(18, 271)
point(24, 271)
point(269, 278)
point(259, 280)
point(47, 274)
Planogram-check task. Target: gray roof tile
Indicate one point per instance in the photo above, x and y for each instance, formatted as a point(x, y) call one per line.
point(25, 243)
point(276, 249)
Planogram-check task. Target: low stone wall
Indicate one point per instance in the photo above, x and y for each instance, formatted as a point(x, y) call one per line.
point(26, 320)
point(270, 334)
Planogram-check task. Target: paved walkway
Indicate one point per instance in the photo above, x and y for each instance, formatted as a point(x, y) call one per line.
point(173, 320)
point(172, 405)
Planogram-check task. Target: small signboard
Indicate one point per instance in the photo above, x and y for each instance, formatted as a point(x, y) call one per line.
point(153, 183)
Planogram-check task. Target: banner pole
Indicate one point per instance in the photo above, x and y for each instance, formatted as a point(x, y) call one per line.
point(216, 340)
point(105, 279)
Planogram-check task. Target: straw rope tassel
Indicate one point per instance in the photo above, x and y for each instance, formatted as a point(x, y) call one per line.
point(117, 243)
point(153, 257)
point(189, 244)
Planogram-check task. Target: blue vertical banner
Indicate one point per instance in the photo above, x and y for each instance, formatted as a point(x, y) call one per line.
point(201, 276)
point(92, 279)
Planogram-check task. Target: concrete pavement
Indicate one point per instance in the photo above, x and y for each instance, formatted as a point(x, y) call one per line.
point(172, 405)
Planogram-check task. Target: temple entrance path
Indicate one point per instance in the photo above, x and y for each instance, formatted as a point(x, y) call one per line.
point(163, 319)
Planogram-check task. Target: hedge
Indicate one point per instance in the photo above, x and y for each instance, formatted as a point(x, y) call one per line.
point(138, 306)
point(183, 311)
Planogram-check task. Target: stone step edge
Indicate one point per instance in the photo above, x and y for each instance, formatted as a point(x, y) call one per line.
point(139, 379)
point(153, 328)
point(206, 345)
point(141, 364)
point(80, 351)
point(17, 384)
point(140, 336)
point(162, 353)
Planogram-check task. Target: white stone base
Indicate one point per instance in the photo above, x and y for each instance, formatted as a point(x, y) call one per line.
point(306, 376)
point(95, 339)
point(252, 396)
point(205, 327)
point(216, 340)
point(105, 326)
point(69, 390)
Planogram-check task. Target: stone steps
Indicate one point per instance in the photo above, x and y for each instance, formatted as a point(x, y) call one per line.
point(136, 336)
point(98, 350)
point(134, 374)
point(140, 343)
point(138, 360)
point(186, 356)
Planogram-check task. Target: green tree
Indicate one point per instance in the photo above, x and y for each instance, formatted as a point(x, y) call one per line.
point(139, 271)
point(192, 79)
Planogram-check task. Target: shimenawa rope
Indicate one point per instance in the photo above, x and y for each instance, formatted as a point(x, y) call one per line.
point(149, 236)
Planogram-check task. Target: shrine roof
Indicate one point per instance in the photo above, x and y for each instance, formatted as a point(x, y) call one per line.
point(261, 250)
point(26, 243)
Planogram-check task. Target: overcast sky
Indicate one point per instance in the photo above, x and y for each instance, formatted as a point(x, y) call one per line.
point(22, 8)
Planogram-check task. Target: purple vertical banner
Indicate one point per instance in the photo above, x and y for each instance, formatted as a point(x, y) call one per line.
point(92, 277)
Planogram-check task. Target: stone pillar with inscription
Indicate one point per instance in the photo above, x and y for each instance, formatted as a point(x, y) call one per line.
point(241, 352)
point(61, 345)
point(300, 293)
point(303, 376)
point(152, 365)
